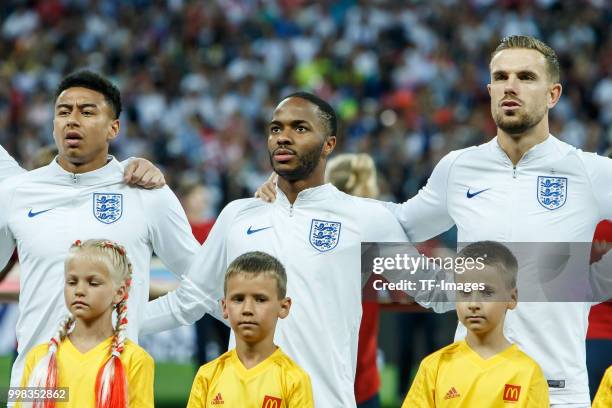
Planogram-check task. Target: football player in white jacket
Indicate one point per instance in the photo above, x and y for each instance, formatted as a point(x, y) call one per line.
point(82, 195)
point(316, 231)
point(138, 172)
point(524, 186)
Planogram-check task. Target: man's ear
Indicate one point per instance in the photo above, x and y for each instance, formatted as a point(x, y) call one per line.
point(113, 130)
point(554, 95)
point(329, 145)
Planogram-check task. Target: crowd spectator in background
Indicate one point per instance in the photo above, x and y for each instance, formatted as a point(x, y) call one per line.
point(407, 79)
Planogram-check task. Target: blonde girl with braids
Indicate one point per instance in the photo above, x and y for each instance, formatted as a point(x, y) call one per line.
point(96, 362)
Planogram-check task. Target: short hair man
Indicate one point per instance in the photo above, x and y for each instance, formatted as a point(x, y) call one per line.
point(81, 195)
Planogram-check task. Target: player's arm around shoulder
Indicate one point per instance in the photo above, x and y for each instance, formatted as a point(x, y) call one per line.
point(426, 214)
point(142, 173)
point(140, 370)
point(200, 287)
point(209, 265)
point(379, 224)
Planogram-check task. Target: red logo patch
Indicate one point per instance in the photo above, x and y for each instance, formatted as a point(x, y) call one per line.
point(271, 402)
point(452, 393)
point(512, 393)
point(218, 400)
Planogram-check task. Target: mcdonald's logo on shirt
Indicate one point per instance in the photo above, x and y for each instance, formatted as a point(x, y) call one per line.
point(512, 393)
point(271, 402)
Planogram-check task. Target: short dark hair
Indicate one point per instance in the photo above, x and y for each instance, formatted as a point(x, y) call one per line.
point(256, 263)
point(326, 112)
point(95, 82)
point(531, 43)
point(494, 254)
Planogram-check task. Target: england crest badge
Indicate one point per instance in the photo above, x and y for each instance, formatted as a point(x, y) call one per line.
point(107, 208)
point(552, 191)
point(324, 235)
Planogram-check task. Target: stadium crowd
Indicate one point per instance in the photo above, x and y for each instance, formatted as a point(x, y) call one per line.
point(200, 79)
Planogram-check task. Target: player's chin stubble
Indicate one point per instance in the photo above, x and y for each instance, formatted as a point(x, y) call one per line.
point(306, 165)
point(517, 124)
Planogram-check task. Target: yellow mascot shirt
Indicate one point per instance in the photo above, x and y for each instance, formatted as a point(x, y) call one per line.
point(456, 376)
point(603, 398)
point(78, 372)
point(276, 382)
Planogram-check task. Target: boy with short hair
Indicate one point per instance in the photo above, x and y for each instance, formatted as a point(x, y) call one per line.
point(256, 373)
point(485, 369)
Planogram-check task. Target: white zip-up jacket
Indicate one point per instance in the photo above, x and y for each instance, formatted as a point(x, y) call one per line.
point(556, 193)
point(318, 241)
point(8, 165)
point(44, 211)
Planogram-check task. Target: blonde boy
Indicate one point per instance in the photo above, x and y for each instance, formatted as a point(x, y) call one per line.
point(256, 374)
point(485, 369)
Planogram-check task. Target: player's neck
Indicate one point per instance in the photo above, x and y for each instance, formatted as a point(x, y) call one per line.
point(88, 334)
point(488, 344)
point(251, 354)
point(291, 189)
point(516, 145)
point(78, 168)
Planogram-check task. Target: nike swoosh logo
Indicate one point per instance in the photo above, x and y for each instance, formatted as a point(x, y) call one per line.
point(33, 214)
point(252, 231)
point(470, 195)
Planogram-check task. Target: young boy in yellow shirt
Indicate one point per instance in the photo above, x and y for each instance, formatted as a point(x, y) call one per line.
point(485, 369)
point(256, 374)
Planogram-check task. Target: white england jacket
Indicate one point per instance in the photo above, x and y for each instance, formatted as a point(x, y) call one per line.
point(556, 193)
point(318, 241)
point(44, 211)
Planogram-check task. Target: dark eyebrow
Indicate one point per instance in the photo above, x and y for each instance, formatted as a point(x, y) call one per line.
point(292, 123)
point(525, 71)
point(81, 106)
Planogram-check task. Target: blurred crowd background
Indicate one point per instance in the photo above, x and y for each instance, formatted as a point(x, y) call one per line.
point(199, 80)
